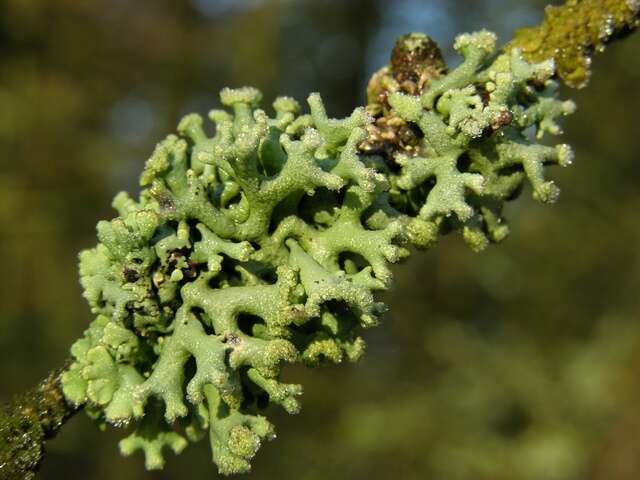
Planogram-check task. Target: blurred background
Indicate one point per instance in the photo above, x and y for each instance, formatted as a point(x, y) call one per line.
point(522, 362)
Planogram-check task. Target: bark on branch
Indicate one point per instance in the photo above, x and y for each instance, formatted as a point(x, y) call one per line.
point(573, 32)
point(27, 423)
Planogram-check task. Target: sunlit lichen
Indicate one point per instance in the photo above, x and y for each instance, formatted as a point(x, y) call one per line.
point(265, 243)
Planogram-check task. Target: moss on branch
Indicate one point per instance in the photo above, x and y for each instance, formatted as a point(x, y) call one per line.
point(571, 33)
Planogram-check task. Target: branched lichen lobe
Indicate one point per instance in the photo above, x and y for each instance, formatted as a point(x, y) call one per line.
point(266, 243)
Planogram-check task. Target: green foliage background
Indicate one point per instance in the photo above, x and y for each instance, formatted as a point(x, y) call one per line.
point(518, 363)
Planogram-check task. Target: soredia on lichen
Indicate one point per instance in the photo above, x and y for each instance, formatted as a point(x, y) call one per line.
point(265, 243)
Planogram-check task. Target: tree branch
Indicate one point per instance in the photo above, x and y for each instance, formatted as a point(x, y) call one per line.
point(572, 32)
point(27, 423)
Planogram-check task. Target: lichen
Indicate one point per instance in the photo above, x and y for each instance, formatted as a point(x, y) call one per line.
point(265, 243)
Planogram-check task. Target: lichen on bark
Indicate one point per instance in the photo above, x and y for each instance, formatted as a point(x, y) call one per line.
point(266, 243)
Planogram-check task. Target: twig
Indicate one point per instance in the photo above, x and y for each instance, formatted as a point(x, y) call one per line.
point(571, 33)
point(27, 423)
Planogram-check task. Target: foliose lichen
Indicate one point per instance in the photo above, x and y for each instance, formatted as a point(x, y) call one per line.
point(265, 243)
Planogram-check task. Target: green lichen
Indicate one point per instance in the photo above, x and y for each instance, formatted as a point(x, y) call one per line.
point(265, 243)
point(572, 32)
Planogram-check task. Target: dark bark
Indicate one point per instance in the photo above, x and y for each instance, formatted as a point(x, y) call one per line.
point(27, 423)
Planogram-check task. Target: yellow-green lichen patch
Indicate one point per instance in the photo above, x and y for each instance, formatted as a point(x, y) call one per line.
point(266, 243)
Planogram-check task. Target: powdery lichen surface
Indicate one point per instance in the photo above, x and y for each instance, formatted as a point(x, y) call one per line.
point(265, 244)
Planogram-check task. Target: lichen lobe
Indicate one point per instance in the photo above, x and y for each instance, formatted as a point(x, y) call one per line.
point(266, 243)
